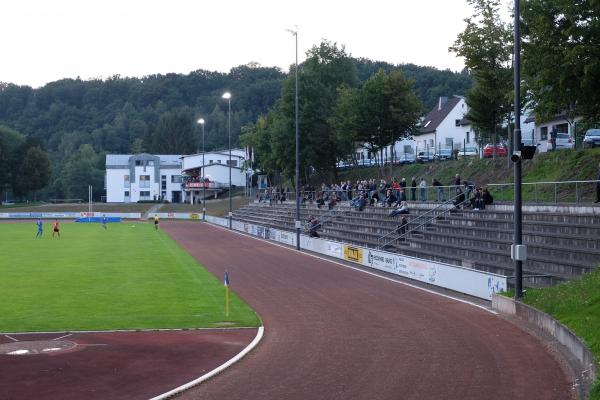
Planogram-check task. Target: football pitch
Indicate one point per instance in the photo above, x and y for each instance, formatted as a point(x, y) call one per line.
point(128, 276)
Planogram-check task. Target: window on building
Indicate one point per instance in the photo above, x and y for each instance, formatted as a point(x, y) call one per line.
point(431, 144)
point(233, 163)
point(544, 132)
point(175, 178)
point(468, 137)
point(211, 161)
point(449, 142)
point(144, 195)
point(219, 161)
point(138, 162)
point(144, 181)
point(127, 193)
point(126, 181)
point(457, 122)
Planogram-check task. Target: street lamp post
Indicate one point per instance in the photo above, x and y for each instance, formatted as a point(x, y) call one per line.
point(297, 183)
point(203, 173)
point(518, 250)
point(227, 96)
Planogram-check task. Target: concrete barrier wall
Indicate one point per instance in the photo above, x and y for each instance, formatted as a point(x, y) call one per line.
point(551, 326)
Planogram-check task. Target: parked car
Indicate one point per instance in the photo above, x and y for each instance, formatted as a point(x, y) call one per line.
point(468, 152)
point(488, 150)
point(591, 138)
point(424, 156)
point(563, 141)
point(443, 155)
point(406, 158)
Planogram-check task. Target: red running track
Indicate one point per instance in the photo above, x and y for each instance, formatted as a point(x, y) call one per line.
point(335, 333)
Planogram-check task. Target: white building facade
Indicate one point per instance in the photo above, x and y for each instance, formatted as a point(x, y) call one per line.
point(445, 126)
point(207, 174)
point(137, 177)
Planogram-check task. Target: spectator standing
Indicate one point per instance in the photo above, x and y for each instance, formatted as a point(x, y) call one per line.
point(487, 197)
point(423, 189)
point(401, 229)
point(441, 196)
point(413, 189)
point(457, 180)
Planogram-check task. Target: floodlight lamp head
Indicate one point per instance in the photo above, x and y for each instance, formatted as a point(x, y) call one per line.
point(226, 95)
point(201, 121)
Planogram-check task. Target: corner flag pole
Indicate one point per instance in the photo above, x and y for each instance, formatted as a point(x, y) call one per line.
point(226, 283)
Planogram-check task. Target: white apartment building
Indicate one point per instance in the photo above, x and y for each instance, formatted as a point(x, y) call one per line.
point(134, 177)
point(445, 126)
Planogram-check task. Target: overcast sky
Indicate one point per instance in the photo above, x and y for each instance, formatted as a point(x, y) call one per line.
point(46, 40)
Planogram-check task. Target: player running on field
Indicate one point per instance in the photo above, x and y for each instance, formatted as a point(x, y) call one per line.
point(104, 221)
point(155, 221)
point(55, 229)
point(40, 226)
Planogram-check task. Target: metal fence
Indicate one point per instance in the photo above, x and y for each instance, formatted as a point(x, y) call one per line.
point(532, 192)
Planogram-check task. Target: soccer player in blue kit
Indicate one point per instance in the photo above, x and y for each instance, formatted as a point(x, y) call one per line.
point(40, 226)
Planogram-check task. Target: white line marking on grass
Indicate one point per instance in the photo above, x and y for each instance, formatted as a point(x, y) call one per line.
point(361, 270)
point(125, 330)
point(197, 381)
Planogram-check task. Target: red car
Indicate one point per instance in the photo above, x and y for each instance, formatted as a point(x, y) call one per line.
point(488, 150)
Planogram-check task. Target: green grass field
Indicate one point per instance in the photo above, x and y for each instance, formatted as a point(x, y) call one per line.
point(126, 277)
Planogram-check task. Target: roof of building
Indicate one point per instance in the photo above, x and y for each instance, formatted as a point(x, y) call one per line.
point(438, 114)
point(123, 159)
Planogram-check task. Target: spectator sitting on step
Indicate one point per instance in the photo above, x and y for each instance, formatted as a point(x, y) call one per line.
point(401, 209)
point(332, 201)
point(477, 200)
point(361, 203)
point(320, 201)
point(459, 198)
point(487, 197)
point(390, 198)
point(313, 226)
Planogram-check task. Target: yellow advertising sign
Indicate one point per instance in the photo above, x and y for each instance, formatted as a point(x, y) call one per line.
point(353, 253)
point(194, 216)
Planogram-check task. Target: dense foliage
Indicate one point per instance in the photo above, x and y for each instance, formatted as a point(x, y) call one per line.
point(486, 45)
point(77, 121)
point(561, 57)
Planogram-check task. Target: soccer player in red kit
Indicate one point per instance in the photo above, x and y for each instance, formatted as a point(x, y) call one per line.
point(55, 229)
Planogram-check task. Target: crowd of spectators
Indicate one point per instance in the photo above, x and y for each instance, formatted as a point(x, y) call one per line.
point(393, 194)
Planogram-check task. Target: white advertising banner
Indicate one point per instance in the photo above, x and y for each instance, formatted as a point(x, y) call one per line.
point(476, 283)
point(465, 280)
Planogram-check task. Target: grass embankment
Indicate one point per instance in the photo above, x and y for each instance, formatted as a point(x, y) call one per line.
point(126, 277)
point(557, 166)
point(577, 305)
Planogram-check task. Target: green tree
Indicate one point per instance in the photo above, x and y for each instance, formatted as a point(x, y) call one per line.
point(561, 57)
point(84, 167)
point(486, 45)
point(174, 134)
point(10, 144)
point(34, 171)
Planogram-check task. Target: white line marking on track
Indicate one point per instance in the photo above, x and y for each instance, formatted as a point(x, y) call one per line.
point(63, 336)
point(215, 371)
point(361, 270)
point(12, 338)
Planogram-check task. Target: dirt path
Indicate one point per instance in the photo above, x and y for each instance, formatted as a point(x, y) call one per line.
point(335, 333)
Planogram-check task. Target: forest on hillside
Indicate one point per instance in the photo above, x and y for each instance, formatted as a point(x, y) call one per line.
point(78, 121)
